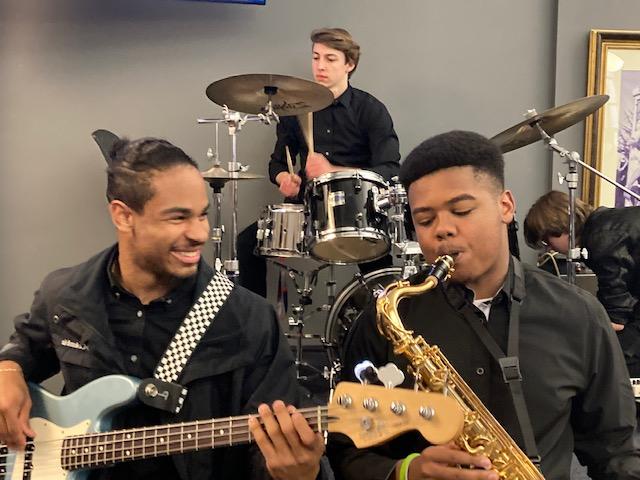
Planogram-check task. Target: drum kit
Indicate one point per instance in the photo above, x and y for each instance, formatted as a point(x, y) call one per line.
point(347, 217)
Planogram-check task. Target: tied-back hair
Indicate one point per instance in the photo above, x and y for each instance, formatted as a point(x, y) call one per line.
point(549, 217)
point(457, 148)
point(341, 40)
point(132, 164)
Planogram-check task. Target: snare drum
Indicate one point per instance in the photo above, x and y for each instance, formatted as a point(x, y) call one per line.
point(346, 225)
point(281, 231)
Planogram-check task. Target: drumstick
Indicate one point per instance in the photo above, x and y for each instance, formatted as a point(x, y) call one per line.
point(306, 123)
point(289, 162)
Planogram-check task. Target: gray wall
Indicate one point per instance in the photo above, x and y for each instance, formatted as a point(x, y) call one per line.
point(140, 68)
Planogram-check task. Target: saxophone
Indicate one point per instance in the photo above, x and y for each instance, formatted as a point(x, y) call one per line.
point(481, 433)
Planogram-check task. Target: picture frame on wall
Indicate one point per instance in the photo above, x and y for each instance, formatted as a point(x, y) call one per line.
point(612, 134)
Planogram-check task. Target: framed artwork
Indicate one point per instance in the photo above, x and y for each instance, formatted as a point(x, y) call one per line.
point(612, 134)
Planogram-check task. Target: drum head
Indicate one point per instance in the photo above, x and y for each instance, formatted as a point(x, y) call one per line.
point(349, 304)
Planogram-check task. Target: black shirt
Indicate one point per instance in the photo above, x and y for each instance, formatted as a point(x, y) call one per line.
point(356, 131)
point(142, 334)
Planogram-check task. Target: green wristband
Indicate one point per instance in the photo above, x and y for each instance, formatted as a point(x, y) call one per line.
point(404, 466)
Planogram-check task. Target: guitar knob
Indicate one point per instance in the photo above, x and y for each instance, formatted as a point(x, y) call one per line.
point(370, 404)
point(398, 408)
point(427, 412)
point(345, 401)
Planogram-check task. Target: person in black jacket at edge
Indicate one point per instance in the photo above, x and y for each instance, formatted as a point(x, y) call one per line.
point(117, 312)
point(612, 239)
point(574, 380)
point(354, 132)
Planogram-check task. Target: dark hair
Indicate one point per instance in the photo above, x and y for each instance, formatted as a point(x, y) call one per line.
point(132, 164)
point(549, 217)
point(339, 39)
point(453, 149)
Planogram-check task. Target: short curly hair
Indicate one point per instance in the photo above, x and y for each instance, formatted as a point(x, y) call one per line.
point(457, 148)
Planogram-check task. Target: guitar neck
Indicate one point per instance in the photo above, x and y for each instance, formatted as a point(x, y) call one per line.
point(101, 449)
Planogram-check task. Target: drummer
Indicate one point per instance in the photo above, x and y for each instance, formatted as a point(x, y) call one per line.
point(354, 132)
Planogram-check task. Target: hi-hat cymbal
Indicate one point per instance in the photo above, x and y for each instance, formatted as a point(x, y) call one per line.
point(219, 175)
point(552, 121)
point(250, 93)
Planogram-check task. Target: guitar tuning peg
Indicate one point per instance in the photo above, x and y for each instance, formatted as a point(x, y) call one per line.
point(366, 372)
point(390, 375)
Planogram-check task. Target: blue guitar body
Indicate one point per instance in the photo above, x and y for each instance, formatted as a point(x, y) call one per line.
point(89, 409)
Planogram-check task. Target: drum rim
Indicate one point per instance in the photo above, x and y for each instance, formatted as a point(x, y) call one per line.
point(311, 243)
point(332, 233)
point(286, 207)
point(366, 174)
point(346, 292)
point(283, 253)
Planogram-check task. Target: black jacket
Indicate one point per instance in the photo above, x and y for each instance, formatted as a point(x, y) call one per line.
point(242, 360)
point(612, 238)
point(575, 383)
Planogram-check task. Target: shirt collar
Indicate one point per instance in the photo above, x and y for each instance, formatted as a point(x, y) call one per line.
point(345, 98)
point(113, 275)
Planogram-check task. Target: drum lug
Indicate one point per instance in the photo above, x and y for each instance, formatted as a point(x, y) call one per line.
point(376, 200)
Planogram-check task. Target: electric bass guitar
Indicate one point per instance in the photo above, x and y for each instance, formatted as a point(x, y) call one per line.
point(73, 434)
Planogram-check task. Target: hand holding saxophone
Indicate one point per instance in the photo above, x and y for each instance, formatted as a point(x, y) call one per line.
point(442, 462)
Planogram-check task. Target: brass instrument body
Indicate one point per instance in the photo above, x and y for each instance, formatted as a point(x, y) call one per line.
point(482, 434)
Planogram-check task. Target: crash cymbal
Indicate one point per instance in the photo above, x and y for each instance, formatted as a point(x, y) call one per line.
point(218, 173)
point(552, 121)
point(250, 94)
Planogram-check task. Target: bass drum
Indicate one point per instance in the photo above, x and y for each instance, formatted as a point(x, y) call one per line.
point(349, 305)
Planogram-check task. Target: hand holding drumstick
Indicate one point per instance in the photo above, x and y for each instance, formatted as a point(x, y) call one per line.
point(288, 182)
point(317, 164)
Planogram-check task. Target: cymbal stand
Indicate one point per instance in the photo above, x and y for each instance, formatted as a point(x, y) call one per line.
point(572, 159)
point(235, 121)
point(217, 229)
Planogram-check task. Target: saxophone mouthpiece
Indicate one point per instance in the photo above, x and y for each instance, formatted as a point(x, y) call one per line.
point(442, 268)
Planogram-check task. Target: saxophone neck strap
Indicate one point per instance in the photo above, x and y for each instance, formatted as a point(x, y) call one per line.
point(510, 364)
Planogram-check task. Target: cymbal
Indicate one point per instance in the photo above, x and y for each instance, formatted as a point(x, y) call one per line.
point(250, 93)
point(552, 121)
point(219, 175)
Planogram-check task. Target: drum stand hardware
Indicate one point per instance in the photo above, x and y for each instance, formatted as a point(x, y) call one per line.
point(572, 159)
point(297, 319)
point(543, 126)
point(236, 171)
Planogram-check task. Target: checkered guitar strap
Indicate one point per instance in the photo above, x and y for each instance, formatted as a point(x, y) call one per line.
point(193, 327)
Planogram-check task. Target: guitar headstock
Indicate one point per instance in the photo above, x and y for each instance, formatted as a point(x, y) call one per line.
point(371, 414)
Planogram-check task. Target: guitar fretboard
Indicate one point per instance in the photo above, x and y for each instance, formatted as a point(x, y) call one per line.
point(100, 449)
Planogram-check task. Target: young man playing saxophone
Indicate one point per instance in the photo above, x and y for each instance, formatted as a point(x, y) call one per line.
point(574, 383)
